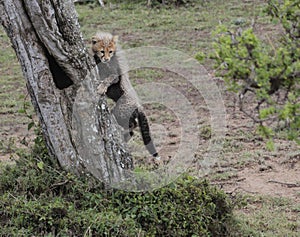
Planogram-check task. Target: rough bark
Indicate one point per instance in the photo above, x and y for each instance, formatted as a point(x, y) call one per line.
point(47, 40)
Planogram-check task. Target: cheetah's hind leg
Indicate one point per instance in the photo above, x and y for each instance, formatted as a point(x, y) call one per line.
point(131, 126)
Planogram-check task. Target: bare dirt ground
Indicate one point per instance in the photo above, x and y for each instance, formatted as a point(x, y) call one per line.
point(13, 137)
point(257, 170)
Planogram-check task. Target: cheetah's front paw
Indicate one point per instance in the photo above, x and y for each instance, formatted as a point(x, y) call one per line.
point(101, 89)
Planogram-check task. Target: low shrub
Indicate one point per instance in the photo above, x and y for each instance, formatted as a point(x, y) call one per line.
point(264, 72)
point(38, 198)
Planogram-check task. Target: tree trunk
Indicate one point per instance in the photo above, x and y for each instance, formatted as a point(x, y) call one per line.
point(60, 79)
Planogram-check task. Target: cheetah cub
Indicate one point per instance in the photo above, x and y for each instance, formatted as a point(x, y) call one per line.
point(116, 85)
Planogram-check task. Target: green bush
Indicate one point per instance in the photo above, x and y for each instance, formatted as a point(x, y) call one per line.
point(38, 198)
point(270, 70)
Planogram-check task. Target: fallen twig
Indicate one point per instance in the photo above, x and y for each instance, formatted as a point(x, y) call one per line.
point(289, 185)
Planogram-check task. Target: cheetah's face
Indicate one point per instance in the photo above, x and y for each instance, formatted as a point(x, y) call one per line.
point(104, 48)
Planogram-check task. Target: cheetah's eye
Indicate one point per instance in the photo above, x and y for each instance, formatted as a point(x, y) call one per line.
point(102, 51)
point(94, 42)
point(110, 52)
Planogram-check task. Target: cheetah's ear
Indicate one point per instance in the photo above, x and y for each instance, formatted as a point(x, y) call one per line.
point(94, 40)
point(115, 38)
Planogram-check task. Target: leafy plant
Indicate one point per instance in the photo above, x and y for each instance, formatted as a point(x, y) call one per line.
point(38, 198)
point(270, 71)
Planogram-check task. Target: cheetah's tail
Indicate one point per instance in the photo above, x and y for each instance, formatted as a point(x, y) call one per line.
point(145, 131)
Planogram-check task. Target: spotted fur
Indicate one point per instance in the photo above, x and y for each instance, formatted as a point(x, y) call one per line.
point(116, 85)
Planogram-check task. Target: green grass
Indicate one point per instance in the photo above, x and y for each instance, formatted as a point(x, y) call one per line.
point(186, 29)
point(12, 98)
point(266, 216)
point(12, 84)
